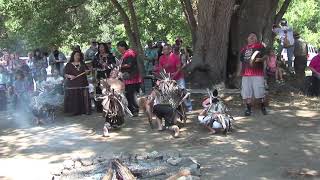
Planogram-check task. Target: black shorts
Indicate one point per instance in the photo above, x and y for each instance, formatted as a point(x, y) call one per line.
point(166, 112)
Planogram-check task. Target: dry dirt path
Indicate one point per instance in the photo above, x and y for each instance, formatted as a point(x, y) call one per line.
point(261, 147)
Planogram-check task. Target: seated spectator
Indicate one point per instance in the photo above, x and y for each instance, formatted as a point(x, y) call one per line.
point(273, 67)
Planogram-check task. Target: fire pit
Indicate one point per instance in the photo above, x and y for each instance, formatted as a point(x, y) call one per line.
point(152, 165)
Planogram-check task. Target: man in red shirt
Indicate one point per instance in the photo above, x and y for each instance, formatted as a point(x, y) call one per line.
point(252, 72)
point(171, 63)
point(315, 68)
point(131, 75)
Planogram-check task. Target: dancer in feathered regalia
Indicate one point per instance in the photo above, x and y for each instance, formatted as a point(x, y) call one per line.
point(214, 116)
point(165, 101)
point(115, 104)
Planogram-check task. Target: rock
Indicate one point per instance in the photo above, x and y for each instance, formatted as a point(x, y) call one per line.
point(68, 164)
point(75, 157)
point(65, 172)
point(174, 161)
point(195, 169)
point(99, 159)
point(87, 162)
point(189, 178)
point(77, 164)
point(56, 171)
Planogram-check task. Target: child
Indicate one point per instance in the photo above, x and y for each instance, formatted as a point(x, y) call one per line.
point(214, 116)
point(273, 67)
point(20, 89)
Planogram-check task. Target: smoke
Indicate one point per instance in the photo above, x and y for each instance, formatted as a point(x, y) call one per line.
point(16, 116)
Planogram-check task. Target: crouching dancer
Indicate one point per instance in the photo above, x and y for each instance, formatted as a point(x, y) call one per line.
point(163, 110)
point(214, 116)
point(115, 104)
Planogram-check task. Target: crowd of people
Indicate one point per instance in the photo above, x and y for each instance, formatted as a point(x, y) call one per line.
point(105, 78)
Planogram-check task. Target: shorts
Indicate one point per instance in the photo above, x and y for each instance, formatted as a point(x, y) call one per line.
point(252, 86)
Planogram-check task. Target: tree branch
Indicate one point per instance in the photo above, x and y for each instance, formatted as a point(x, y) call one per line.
point(125, 18)
point(188, 11)
point(134, 23)
point(282, 10)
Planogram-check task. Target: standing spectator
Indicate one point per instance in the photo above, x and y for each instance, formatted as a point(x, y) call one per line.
point(300, 60)
point(113, 50)
point(151, 55)
point(92, 51)
point(57, 60)
point(39, 65)
point(4, 79)
point(76, 101)
point(286, 40)
point(252, 72)
point(175, 57)
point(20, 89)
point(315, 68)
point(131, 75)
point(103, 61)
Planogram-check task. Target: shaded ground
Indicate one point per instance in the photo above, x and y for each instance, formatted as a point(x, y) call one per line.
point(261, 147)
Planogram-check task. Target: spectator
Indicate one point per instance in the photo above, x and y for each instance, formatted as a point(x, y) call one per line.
point(39, 65)
point(131, 75)
point(286, 40)
point(20, 89)
point(151, 55)
point(274, 68)
point(92, 51)
point(252, 72)
point(315, 68)
point(57, 60)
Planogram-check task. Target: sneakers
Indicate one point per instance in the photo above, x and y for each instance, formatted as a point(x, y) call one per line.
point(247, 112)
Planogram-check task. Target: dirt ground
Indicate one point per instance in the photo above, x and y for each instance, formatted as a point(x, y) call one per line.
point(275, 146)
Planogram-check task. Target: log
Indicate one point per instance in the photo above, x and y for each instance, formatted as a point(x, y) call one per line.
point(122, 171)
point(109, 174)
point(148, 173)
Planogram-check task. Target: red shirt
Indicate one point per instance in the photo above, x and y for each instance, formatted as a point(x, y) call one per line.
point(257, 68)
point(315, 63)
point(171, 64)
point(130, 55)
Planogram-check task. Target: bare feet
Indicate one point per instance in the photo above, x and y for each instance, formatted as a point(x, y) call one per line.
point(106, 130)
point(176, 130)
point(213, 132)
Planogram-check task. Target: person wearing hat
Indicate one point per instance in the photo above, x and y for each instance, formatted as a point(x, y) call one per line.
point(300, 60)
point(286, 40)
point(92, 51)
point(57, 60)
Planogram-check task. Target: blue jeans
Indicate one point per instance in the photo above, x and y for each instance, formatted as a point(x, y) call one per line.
point(182, 84)
point(290, 52)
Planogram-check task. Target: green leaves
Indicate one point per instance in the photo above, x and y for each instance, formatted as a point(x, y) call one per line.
point(304, 16)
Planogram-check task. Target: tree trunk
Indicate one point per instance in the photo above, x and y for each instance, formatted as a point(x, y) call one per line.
point(211, 47)
point(188, 11)
point(132, 30)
